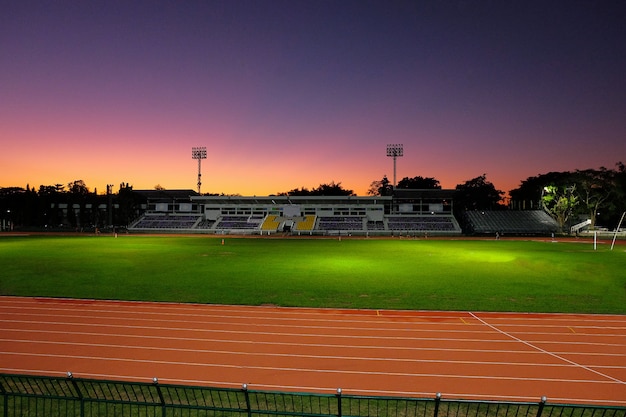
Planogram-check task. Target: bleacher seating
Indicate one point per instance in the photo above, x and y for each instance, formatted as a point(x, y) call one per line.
point(205, 224)
point(238, 222)
point(430, 223)
point(375, 225)
point(340, 223)
point(160, 221)
point(307, 224)
point(523, 222)
point(270, 223)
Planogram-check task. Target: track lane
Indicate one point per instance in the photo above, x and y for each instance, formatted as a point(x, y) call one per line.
point(569, 358)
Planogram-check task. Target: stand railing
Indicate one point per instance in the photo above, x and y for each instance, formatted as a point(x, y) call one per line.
point(29, 395)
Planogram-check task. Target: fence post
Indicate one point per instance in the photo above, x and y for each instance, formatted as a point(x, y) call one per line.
point(155, 381)
point(339, 411)
point(70, 376)
point(437, 402)
point(542, 404)
point(5, 397)
point(246, 395)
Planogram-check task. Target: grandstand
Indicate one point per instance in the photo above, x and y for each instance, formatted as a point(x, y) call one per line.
point(166, 221)
point(167, 211)
point(527, 222)
point(406, 213)
point(433, 223)
point(416, 211)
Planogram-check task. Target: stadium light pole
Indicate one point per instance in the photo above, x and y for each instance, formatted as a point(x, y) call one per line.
point(110, 203)
point(199, 153)
point(395, 150)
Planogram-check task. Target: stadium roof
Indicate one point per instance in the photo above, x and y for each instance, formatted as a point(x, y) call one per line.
point(406, 193)
point(167, 195)
point(286, 200)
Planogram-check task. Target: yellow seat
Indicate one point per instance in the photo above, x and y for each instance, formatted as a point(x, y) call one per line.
point(270, 223)
point(307, 224)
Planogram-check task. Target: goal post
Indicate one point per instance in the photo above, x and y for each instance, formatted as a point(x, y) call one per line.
point(619, 225)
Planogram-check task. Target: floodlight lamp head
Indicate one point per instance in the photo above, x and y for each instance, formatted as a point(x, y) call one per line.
point(198, 152)
point(395, 149)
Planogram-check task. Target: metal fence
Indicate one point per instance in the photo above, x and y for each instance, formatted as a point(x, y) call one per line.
point(27, 395)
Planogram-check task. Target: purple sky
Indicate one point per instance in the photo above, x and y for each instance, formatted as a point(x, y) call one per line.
point(290, 94)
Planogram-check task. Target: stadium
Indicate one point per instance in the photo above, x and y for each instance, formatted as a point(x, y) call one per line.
point(406, 213)
point(83, 337)
point(185, 315)
point(400, 300)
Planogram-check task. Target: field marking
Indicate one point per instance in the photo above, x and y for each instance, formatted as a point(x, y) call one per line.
point(112, 314)
point(362, 335)
point(548, 352)
point(248, 324)
point(557, 328)
point(310, 356)
point(252, 320)
point(324, 345)
point(264, 333)
point(304, 335)
point(309, 370)
point(42, 303)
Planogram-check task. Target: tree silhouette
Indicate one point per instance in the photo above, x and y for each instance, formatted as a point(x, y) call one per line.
point(382, 187)
point(331, 189)
point(419, 183)
point(477, 194)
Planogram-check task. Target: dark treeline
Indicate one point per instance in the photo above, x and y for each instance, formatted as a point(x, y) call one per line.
point(56, 206)
point(595, 194)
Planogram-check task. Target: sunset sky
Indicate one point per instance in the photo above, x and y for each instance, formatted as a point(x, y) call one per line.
point(296, 93)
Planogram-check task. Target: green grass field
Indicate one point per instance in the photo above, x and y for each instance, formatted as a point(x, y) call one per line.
point(488, 275)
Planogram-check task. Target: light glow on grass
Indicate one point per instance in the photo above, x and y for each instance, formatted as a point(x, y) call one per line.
point(492, 256)
point(421, 274)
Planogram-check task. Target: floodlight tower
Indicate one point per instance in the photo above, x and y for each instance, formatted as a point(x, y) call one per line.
point(395, 150)
point(110, 203)
point(199, 153)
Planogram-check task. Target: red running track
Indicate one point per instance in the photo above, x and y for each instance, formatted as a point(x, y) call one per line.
point(568, 358)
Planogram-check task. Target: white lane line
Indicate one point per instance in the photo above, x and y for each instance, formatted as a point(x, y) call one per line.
point(306, 370)
point(201, 310)
point(188, 309)
point(316, 345)
point(619, 381)
point(213, 340)
point(254, 322)
point(303, 343)
point(297, 355)
point(211, 330)
point(200, 325)
point(200, 330)
point(247, 316)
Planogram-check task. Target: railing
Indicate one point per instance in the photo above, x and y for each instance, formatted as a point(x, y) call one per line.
point(27, 395)
point(580, 225)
